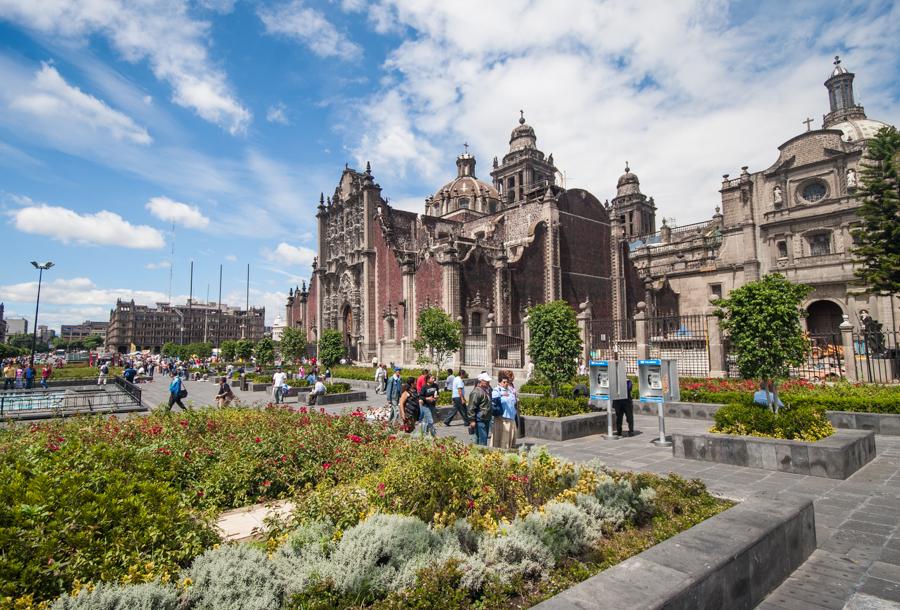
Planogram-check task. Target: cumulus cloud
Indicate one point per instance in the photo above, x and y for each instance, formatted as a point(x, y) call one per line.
point(276, 114)
point(162, 32)
point(102, 228)
point(50, 97)
point(176, 212)
point(285, 253)
point(159, 265)
point(231, 258)
point(309, 27)
point(76, 291)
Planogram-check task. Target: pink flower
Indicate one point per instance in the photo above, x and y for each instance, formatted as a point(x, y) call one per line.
point(354, 438)
point(326, 465)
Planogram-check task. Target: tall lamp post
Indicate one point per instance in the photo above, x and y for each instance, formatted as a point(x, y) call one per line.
point(37, 304)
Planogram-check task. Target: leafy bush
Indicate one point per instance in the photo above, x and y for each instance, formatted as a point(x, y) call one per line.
point(546, 406)
point(337, 387)
point(794, 423)
point(561, 526)
point(144, 596)
point(234, 577)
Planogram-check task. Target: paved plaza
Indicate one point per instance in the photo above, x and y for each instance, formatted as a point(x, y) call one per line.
point(857, 562)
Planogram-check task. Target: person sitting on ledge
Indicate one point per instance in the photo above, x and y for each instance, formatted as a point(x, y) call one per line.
point(760, 397)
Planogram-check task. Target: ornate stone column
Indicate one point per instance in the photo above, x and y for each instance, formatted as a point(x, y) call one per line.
point(584, 327)
point(849, 353)
point(501, 283)
point(642, 331)
point(716, 345)
point(490, 330)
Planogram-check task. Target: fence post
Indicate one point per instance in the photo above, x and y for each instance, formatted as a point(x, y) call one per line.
point(716, 346)
point(642, 331)
point(849, 355)
point(526, 345)
point(490, 329)
point(458, 355)
point(584, 326)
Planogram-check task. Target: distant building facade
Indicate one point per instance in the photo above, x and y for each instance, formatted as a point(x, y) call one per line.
point(77, 332)
point(149, 328)
point(2, 325)
point(16, 326)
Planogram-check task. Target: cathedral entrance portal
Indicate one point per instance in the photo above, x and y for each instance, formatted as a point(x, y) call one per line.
point(347, 331)
point(824, 318)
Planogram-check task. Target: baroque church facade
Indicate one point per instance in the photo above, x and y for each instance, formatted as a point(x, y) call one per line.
point(487, 250)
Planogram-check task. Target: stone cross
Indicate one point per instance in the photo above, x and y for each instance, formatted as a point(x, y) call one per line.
point(808, 122)
point(466, 146)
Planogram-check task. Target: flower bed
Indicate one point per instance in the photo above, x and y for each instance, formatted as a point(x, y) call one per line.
point(367, 373)
point(92, 499)
point(545, 406)
point(79, 372)
point(861, 398)
point(790, 423)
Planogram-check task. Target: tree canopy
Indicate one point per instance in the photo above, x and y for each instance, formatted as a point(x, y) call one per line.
point(243, 349)
point(293, 344)
point(264, 351)
point(555, 342)
point(877, 238)
point(331, 347)
point(228, 350)
point(439, 336)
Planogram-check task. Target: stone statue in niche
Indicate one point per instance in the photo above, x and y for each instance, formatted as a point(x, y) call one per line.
point(777, 196)
point(852, 181)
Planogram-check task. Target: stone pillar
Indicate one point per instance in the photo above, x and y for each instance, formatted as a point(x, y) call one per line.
point(584, 328)
point(458, 356)
point(490, 330)
point(450, 284)
point(642, 331)
point(526, 340)
point(716, 346)
point(849, 354)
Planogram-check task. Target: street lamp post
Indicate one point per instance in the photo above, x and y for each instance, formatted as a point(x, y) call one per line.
point(37, 303)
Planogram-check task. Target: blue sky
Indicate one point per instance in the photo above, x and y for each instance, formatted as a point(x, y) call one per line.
point(227, 118)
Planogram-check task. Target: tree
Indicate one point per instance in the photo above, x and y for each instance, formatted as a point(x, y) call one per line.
point(201, 350)
point(555, 342)
point(264, 351)
point(293, 344)
point(439, 336)
point(762, 320)
point(9, 351)
point(244, 349)
point(24, 342)
point(171, 350)
point(92, 341)
point(228, 350)
point(877, 238)
point(331, 347)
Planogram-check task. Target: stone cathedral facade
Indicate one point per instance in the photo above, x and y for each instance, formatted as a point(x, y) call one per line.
point(489, 249)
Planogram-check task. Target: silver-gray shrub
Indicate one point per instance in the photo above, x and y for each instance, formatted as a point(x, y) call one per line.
point(300, 559)
point(563, 528)
point(518, 551)
point(145, 596)
point(615, 503)
point(234, 577)
point(371, 555)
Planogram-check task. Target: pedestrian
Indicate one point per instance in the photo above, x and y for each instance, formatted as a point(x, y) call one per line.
point(624, 407)
point(318, 390)
point(225, 395)
point(176, 393)
point(9, 375)
point(420, 382)
point(278, 380)
point(129, 373)
point(582, 369)
point(427, 405)
point(393, 392)
point(479, 409)
point(380, 378)
point(503, 405)
point(20, 377)
point(29, 375)
point(458, 396)
point(104, 372)
point(409, 405)
point(46, 371)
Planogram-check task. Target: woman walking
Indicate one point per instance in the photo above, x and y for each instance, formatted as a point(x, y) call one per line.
point(409, 405)
point(504, 435)
point(176, 393)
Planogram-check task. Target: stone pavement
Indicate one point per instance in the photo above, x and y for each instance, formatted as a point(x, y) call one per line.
point(857, 561)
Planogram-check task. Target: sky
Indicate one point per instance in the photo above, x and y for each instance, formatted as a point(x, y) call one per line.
point(139, 136)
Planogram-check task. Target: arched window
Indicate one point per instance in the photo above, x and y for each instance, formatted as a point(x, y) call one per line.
point(463, 203)
point(819, 244)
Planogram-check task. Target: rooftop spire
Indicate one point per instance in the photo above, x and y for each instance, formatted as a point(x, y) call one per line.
point(521, 117)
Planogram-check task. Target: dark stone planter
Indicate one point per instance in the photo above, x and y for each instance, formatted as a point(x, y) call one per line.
point(879, 423)
point(688, 410)
point(336, 399)
point(258, 387)
point(562, 428)
point(835, 457)
point(732, 560)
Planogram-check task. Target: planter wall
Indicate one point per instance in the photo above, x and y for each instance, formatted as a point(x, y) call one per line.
point(688, 410)
point(835, 457)
point(336, 399)
point(879, 423)
point(732, 560)
point(562, 428)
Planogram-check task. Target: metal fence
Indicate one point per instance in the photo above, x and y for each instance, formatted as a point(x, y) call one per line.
point(509, 347)
point(39, 403)
point(824, 361)
point(475, 350)
point(876, 356)
point(683, 338)
point(611, 339)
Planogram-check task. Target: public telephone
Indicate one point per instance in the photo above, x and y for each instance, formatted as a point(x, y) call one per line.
point(658, 382)
point(608, 383)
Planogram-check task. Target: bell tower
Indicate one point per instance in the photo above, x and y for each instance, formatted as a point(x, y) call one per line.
point(635, 213)
point(525, 172)
point(840, 97)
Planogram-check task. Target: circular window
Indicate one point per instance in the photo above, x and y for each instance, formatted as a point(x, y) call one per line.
point(814, 191)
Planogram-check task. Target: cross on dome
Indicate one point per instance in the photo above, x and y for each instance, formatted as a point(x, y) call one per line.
point(521, 117)
point(808, 122)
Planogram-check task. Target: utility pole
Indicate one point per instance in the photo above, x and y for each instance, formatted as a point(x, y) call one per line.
point(219, 313)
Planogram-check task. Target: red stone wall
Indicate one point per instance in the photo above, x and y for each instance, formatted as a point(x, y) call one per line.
point(389, 282)
point(526, 278)
point(584, 255)
point(476, 276)
point(428, 283)
point(311, 307)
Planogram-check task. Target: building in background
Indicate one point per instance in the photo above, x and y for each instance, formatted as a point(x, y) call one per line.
point(45, 334)
point(2, 326)
point(16, 326)
point(149, 328)
point(77, 332)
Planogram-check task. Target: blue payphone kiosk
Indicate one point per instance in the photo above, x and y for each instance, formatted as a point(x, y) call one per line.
point(608, 383)
point(658, 383)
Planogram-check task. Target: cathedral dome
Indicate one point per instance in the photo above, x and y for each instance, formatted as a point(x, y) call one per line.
point(465, 191)
point(522, 136)
point(628, 183)
point(858, 129)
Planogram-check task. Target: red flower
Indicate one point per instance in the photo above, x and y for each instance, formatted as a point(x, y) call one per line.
point(284, 458)
point(354, 438)
point(470, 503)
point(164, 451)
point(183, 423)
point(257, 440)
point(201, 493)
point(326, 465)
point(52, 446)
point(266, 483)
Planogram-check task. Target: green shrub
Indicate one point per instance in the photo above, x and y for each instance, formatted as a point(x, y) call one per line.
point(793, 423)
point(234, 577)
point(144, 596)
point(561, 526)
point(518, 551)
point(337, 387)
point(553, 407)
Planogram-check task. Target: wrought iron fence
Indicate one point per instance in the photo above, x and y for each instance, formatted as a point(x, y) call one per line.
point(611, 339)
point(876, 356)
point(509, 347)
point(41, 403)
point(683, 338)
point(475, 350)
point(825, 360)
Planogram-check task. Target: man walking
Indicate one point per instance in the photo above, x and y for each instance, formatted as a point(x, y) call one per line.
point(479, 409)
point(393, 393)
point(380, 377)
point(278, 380)
point(46, 371)
point(176, 393)
point(458, 394)
point(104, 371)
point(9, 375)
point(29, 376)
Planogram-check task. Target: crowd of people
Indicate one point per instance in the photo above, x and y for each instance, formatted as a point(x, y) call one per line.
point(22, 374)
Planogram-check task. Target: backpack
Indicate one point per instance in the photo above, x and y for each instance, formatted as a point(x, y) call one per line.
point(104, 369)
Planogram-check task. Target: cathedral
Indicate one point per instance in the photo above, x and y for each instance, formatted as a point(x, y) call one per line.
point(487, 250)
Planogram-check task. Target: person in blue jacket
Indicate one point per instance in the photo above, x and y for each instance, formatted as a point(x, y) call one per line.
point(175, 393)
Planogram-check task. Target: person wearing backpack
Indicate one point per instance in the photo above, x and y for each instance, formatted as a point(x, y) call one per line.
point(176, 393)
point(104, 372)
point(479, 409)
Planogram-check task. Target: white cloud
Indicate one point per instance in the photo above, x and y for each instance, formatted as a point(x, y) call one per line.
point(76, 291)
point(159, 31)
point(276, 114)
point(231, 258)
point(309, 27)
point(179, 213)
point(51, 98)
point(159, 265)
point(287, 254)
point(102, 228)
